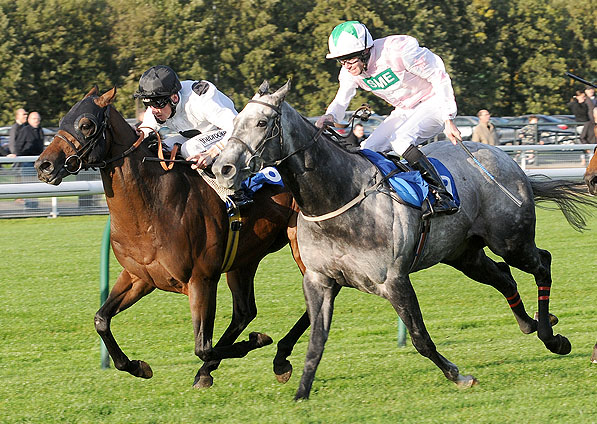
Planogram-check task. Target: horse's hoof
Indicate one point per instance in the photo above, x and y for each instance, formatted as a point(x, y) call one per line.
point(594, 355)
point(283, 372)
point(141, 369)
point(466, 381)
point(553, 320)
point(260, 339)
point(563, 346)
point(204, 382)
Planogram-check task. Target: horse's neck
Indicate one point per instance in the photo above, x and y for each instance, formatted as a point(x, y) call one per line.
point(138, 191)
point(322, 177)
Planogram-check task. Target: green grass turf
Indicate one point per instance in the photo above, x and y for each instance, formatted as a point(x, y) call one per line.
point(50, 364)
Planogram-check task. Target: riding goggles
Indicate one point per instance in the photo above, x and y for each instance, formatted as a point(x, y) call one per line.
point(157, 102)
point(350, 61)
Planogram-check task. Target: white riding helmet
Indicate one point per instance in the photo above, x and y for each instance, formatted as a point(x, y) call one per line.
point(348, 38)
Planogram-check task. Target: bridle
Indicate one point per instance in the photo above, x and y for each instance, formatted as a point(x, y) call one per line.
point(75, 162)
point(256, 162)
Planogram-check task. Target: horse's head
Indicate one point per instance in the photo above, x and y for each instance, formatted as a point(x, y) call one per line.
point(591, 174)
point(80, 141)
point(256, 139)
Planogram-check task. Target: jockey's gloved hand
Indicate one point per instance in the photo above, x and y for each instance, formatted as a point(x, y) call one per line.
point(151, 137)
point(325, 120)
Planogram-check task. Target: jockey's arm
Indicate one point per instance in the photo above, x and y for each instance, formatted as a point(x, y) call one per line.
point(336, 109)
point(425, 64)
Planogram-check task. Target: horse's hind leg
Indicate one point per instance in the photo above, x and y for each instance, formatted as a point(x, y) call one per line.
point(538, 262)
point(126, 291)
point(475, 264)
point(404, 300)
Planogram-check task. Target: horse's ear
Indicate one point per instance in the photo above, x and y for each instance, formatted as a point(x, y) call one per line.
point(279, 95)
point(106, 98)
point(93, 92)
point(263, 88)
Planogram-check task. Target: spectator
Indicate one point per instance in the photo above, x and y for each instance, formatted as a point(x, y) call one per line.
point(529, 134)
point(20, 121)
point(485, 132)
point(356, 136)
point(29, 142)
point(580, 109)
point(591, 100)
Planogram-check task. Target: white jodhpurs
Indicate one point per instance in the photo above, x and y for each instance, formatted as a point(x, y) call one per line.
point(405, 127)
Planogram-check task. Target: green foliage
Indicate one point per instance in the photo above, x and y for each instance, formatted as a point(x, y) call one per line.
point(508, 56)
point(50, 365)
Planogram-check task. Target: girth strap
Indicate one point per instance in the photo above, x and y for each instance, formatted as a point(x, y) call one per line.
point(235, 223)
point(424, 232)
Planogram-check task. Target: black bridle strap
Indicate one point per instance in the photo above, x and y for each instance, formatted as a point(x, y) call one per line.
point(276, 108)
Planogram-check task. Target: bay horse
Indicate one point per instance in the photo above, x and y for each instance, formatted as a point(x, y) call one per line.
point(169, 231)
point(590, 176)
point(352, 235)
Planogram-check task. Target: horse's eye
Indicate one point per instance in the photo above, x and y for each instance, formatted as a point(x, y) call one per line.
point(262, 123)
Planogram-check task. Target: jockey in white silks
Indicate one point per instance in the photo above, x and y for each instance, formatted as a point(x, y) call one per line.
point(410, 78)
point(201, 114)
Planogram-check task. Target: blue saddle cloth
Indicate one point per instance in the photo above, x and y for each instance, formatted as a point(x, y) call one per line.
point(410, 186)
point(268, 175)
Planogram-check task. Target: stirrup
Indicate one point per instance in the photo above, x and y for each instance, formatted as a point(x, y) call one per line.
point(444, 205)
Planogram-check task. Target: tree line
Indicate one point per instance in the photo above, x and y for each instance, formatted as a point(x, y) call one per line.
point(508, 56)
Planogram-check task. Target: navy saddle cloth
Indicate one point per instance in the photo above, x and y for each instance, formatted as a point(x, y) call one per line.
point(410, 186)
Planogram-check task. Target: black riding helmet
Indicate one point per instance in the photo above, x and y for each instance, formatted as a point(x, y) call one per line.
point(158, 81)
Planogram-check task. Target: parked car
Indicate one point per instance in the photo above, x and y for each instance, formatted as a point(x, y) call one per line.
point(551, 130)
point(466, 123)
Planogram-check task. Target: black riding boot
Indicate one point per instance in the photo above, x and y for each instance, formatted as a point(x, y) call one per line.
point(444, 202)
point(241, 198)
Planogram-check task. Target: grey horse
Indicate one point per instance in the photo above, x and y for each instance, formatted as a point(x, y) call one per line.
point(352, 235)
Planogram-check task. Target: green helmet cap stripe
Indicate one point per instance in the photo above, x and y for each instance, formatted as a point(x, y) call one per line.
point(344, 27)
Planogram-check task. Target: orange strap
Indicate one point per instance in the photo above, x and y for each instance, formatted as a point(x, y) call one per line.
point(160, 149)
point(161, 155)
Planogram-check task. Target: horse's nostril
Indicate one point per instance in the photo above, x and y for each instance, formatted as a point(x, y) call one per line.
point(228, 170)
point(46, 167)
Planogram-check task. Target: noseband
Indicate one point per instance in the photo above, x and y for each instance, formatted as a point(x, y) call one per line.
point(256, 162)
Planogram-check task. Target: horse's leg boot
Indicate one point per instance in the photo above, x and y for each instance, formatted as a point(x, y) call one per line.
point(444, 201)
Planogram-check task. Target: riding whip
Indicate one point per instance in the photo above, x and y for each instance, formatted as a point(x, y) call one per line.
point(579, 79)
point(491, 177)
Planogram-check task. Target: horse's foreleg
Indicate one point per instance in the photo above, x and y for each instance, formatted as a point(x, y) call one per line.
point(244, 310)
point(404, 300)
point(126, 291)
point(320, 293)
point(282, 366)
point(202, 301)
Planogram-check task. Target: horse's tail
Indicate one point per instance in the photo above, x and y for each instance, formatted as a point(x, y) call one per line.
point(571, 198)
